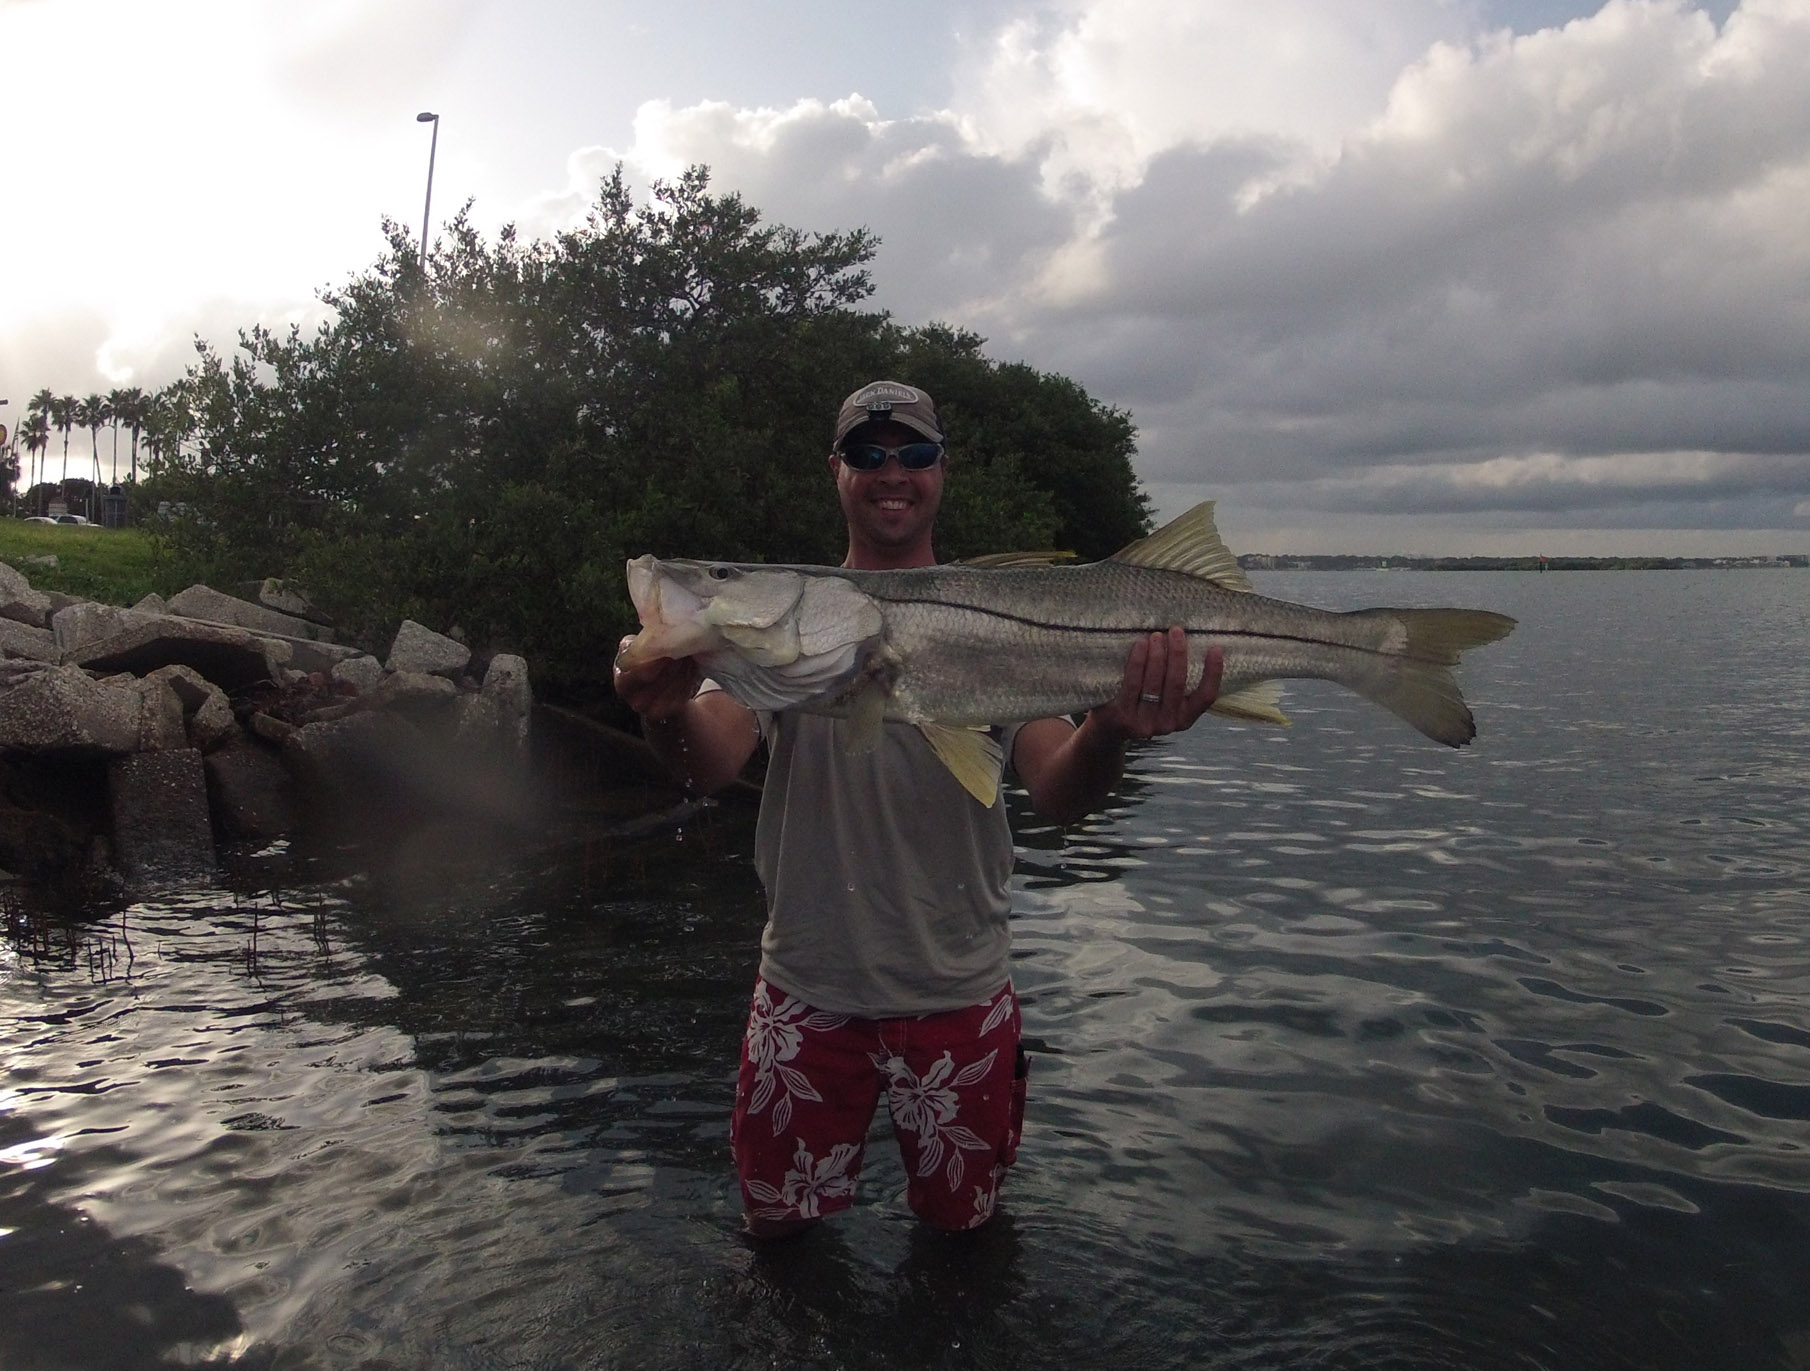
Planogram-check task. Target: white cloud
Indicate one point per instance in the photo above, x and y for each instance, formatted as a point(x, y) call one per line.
point(1342, 263)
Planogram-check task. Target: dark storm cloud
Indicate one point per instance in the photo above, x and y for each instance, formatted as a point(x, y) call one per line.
point(1481, 274)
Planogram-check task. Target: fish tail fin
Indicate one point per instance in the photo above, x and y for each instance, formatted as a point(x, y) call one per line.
point(1419, 688)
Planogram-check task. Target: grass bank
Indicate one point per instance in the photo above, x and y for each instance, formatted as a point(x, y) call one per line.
point(118, 566)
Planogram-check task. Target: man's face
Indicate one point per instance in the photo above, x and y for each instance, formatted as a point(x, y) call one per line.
point(889, 509)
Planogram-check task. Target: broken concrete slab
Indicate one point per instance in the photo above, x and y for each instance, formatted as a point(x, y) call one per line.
point(289, 598)
point(232, 658)
point(161, 826)
point(254, 794)
point(191, 687)
point(60, 707)
point(84, 623)
point(160, 715)
point(413, 690)
point(214, 606)
point(19, 602)
point(506, 686)
point(419, 648)
point(212, 724)
point(362, 672)
point(18, 639)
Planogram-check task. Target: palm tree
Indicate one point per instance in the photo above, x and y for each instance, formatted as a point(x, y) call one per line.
point(35, 433)
point(39, 407)
point(132, 406)
point(62, 415)
point(91, 414)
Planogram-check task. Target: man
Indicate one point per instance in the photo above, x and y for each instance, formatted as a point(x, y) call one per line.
point(883, 962)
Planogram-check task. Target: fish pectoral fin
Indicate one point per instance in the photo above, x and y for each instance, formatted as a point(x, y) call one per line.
point(1189, 543)
point(973, 756)
point(1260, 703)
point(864, 713)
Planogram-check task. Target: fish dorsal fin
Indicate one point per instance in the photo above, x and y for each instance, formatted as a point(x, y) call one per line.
point(1189, 543)
point(992, 561)
point(972, 755)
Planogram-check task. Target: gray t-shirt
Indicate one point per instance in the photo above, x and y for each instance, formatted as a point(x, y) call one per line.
point(886, 881)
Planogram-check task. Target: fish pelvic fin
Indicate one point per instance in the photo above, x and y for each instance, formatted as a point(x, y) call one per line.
point(1189, 543)
point(1260, 704)
point(972, 755)
point(1421, 690)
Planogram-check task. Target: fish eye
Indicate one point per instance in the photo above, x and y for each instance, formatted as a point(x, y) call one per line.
point(720, 573)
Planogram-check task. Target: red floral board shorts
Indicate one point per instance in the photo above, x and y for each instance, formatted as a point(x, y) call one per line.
point(809, 1084)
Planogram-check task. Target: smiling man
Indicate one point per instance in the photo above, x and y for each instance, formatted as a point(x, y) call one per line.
point(884, 960)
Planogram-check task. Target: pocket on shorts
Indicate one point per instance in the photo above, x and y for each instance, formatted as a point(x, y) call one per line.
point(1021, 1073)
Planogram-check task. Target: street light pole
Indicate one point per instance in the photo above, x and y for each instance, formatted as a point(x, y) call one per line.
point(428, 117)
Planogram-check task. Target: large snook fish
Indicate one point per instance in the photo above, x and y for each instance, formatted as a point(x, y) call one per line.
point(950, 648)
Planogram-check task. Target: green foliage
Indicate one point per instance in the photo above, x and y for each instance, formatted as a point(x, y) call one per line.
point(485, 442)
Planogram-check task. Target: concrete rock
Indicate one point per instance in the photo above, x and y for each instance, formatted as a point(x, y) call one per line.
point(160, 716)
point(212, 724)
point(270, 727)
point(203, 602)
point(506, 686)
point(362, 672)
point(315, 656)
point(161, 826)
point(288, 598)
point(153, 604)
point(232, 658)
point(19, 602)
point(418, 648)
point(84, 623)
point(254, 794)
point(19, 639)
point(60, 707)
point(413, 690)
point(476, 724)
point(191, 687)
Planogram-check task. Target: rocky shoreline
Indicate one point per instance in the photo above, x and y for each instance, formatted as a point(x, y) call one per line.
point(132, 739)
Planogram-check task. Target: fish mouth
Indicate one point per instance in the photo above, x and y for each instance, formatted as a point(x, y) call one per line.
point(666, 640)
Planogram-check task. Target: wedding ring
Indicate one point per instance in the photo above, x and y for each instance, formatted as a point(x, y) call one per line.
point(1150, 699)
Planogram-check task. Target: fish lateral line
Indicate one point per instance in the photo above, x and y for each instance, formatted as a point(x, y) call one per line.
point(1241, 634)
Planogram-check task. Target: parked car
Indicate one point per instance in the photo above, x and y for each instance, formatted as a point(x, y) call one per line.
point(37, 519)
point(72, 519)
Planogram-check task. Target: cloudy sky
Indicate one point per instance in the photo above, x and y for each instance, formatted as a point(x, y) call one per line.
point(1487, 276)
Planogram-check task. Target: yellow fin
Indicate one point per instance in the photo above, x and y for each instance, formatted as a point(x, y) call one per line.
point(972, 756)
point(994, 560)
point(1260, 703)
point(866, 712)
point(1189, 543)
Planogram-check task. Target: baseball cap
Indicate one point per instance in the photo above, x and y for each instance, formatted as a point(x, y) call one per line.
point(880, 400)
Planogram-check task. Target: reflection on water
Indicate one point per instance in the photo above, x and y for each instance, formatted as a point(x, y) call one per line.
point(1350, 1052)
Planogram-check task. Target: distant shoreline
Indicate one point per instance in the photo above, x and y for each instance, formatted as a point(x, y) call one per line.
point(1263, 561)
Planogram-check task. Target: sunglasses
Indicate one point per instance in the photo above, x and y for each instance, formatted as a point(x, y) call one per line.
point(872, 456)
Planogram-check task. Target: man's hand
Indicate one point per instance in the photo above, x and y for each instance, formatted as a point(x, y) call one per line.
point(1153, 697)
point(660, 688)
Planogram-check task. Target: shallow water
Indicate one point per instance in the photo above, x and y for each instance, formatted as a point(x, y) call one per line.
point(1351, 1051)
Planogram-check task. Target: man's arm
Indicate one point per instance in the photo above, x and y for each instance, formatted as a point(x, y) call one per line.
point(1071, 771)
point(703, 740)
